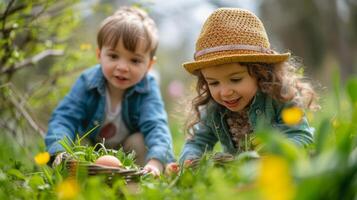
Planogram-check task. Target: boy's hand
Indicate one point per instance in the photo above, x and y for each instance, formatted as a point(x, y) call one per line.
point(154, 167)
point(172, 168)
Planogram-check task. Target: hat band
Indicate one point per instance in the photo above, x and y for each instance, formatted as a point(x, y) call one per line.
point(233, 47)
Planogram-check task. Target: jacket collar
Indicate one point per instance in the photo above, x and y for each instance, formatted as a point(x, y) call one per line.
point(96, 80)
point(258, 102)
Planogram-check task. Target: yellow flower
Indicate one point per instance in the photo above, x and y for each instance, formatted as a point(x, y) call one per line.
point(85, 46)
point(292, 116)
point(42, 158)
point(335, 123)
point(274, 179)
point(67, 189)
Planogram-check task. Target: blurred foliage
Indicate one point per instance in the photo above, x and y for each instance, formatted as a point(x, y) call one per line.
point(44, 44)
point(321, 33)
point(317, 31)
point(325, 170)
point(32, 34)
point(31, 31)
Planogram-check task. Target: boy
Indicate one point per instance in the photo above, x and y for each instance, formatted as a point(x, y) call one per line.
point(119, 95)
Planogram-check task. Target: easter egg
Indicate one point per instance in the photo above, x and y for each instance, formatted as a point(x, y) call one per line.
point(109, 161)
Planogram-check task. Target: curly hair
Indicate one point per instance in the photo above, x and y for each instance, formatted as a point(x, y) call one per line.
point(283, 82)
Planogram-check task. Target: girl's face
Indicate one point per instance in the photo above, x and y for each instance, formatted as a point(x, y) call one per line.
point(123, 68)
point(230, 85)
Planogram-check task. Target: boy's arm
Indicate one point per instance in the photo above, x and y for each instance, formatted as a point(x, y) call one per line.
point(66, 118)
point(202, 141)
point(154, 126)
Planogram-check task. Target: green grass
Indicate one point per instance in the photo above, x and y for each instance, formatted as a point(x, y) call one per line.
point(325, 170)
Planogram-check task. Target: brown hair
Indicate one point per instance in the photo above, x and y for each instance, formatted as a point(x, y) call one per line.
point(281, 81)
point(129, 24)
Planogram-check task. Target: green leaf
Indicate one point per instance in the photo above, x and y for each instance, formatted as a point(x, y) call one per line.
point(36, 181)
point(16, 173)
point(322, 135)
point(336, 86)
point(352, 90)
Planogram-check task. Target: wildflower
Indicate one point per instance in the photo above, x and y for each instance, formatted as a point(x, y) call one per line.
point(42, 158)
point(335, 123)
point(275, 180)
point(85, 46)
point(67, 189)
point(292, 116)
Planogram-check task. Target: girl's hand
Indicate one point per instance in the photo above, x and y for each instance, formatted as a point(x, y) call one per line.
point(154, 167)
point(191, 163)
point(172, 168)
point(187, 163)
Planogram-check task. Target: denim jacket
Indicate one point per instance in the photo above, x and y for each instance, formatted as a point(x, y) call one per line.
point(213, 127)
point(84, 108)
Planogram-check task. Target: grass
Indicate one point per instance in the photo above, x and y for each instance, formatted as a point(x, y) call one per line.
point(325, 170)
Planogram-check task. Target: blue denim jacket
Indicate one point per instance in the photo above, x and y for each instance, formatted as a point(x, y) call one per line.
point(213, 127)
point(84, 108)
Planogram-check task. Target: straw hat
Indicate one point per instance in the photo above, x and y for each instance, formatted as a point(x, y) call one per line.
point(232, 35)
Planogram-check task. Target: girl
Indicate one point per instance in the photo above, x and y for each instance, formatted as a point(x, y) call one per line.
point(240, 81)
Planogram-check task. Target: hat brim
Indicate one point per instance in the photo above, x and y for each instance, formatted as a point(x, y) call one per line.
point(262, 58)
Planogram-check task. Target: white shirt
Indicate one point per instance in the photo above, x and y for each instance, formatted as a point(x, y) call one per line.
point(114, 130)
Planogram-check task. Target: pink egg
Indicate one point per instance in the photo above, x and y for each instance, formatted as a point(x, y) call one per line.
point(109, 161)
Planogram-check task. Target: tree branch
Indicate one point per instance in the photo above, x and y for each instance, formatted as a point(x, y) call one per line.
point(4, 124)
point(30, 61)
point(6, 13)
point(14, 98)
point(12, 11)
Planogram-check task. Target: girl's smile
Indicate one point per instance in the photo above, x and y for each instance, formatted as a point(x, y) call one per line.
point(230, 85)
point(232, 103)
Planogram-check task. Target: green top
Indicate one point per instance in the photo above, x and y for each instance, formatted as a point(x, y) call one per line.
point(213, 126)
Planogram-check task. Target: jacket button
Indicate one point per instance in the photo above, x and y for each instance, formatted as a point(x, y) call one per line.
point(258, 111)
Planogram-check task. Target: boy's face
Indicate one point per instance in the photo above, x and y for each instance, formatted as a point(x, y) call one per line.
point(123, 68)
point(230, 85)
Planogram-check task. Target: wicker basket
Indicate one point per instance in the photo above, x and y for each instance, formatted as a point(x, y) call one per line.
point(74, 166)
